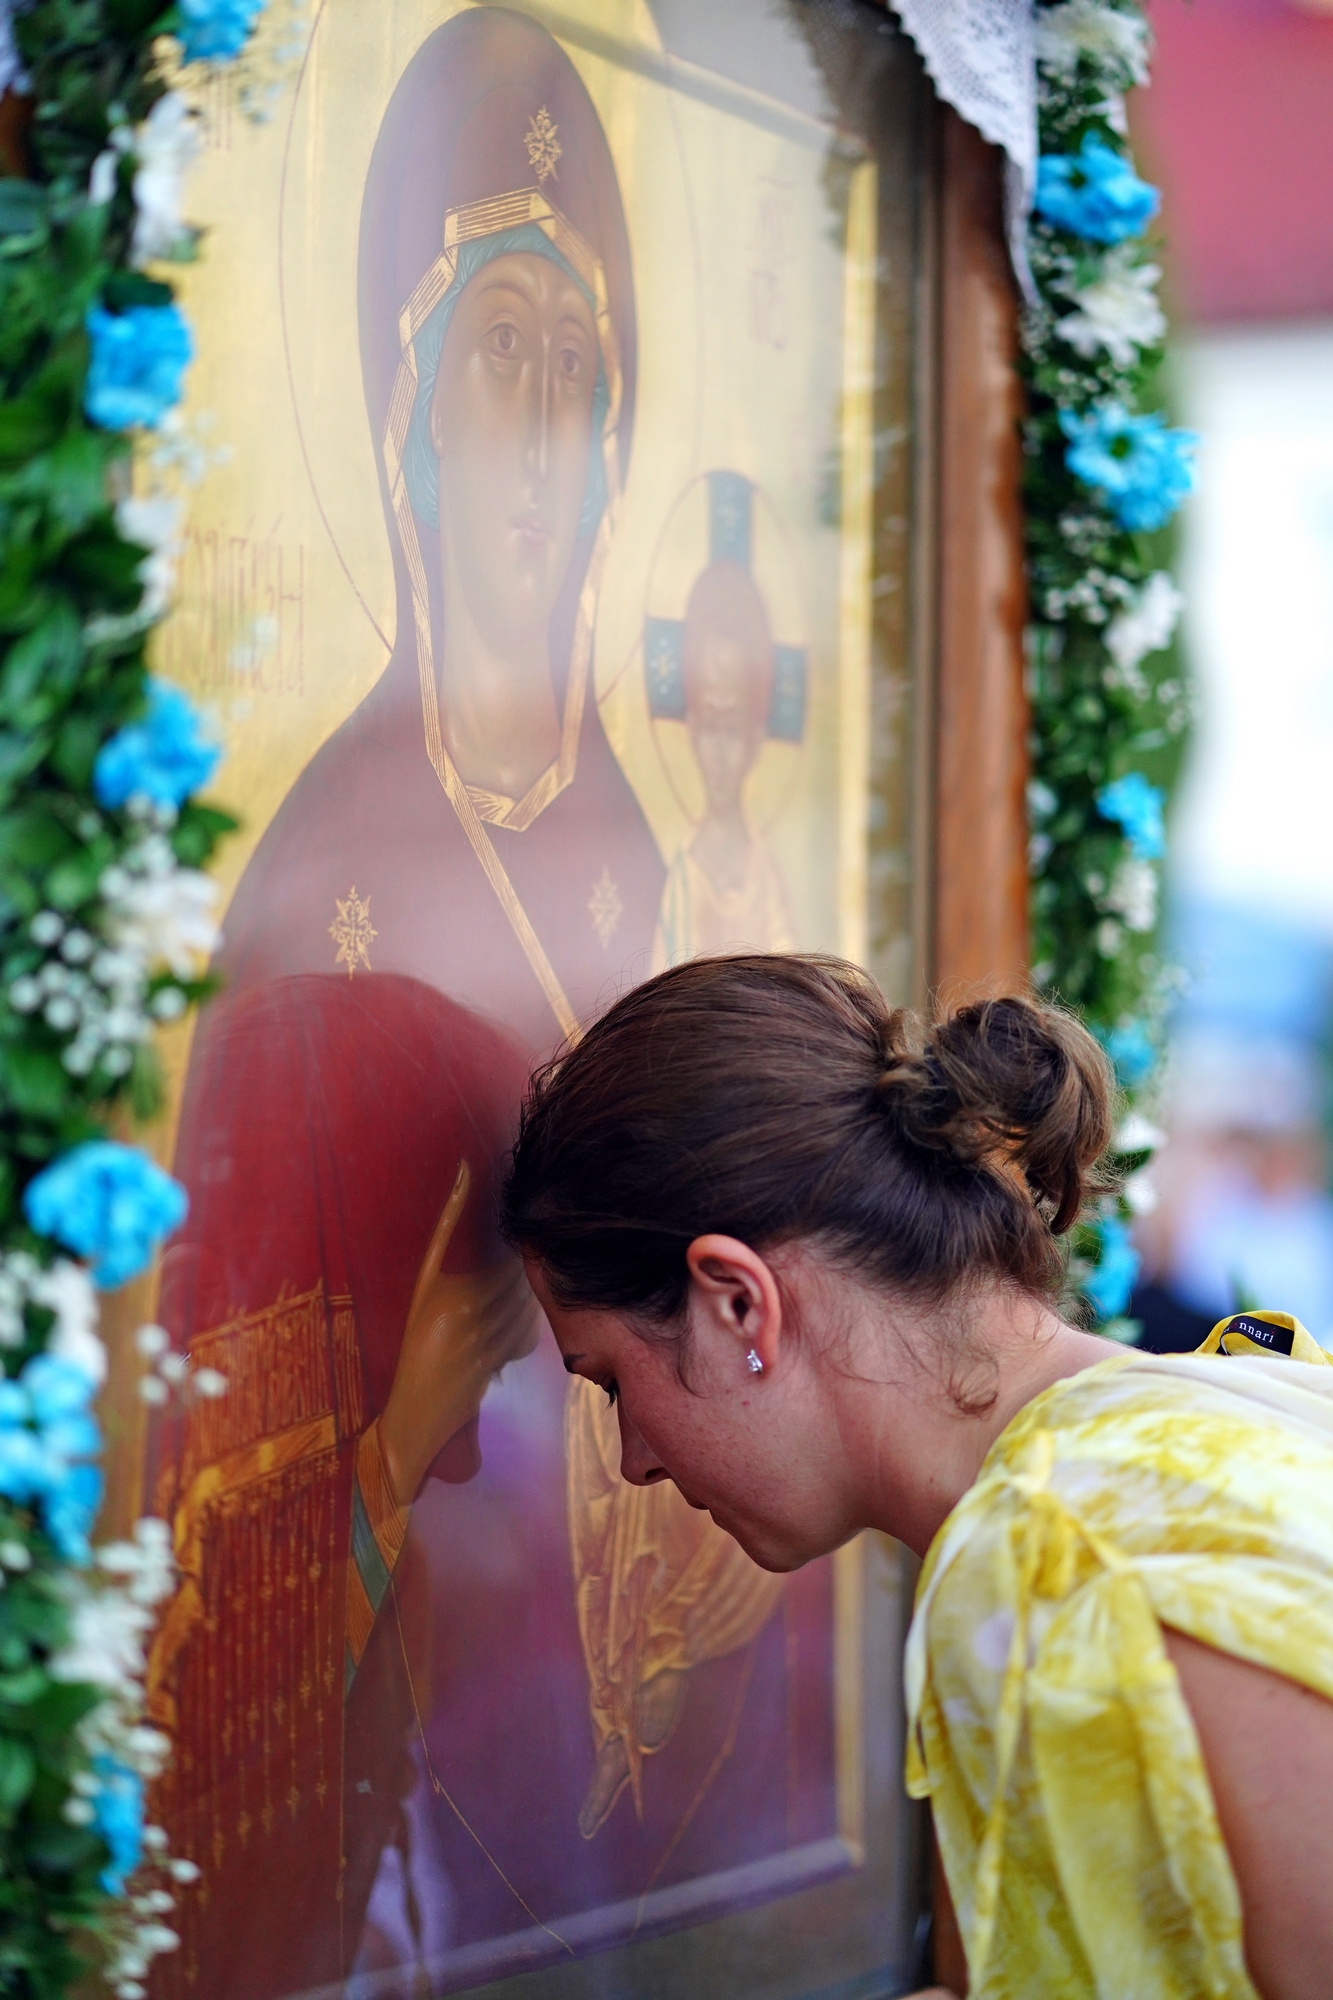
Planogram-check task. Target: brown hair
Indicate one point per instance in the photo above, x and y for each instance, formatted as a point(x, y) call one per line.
point(779, 1098)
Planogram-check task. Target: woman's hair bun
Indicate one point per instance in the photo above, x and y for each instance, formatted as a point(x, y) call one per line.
point(779, 1099)
point(1005, 1080)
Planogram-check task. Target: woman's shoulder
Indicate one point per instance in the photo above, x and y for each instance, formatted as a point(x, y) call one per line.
point(1141, 1449)
point(1134, 1402)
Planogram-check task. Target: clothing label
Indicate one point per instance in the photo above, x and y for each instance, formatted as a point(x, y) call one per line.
point(1278, 1339)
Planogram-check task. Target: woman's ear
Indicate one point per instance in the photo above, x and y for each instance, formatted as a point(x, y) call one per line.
point(736, 1294)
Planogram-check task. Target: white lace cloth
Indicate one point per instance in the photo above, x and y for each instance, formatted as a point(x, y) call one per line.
point(981, 60)
point(11, 69)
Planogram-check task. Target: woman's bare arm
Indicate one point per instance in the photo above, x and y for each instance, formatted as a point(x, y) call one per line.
point(1268, 1748)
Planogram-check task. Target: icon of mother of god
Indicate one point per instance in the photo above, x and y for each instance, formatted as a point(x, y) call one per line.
point(459, 875)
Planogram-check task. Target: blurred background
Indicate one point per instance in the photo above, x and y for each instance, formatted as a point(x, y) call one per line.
point(1237, 129)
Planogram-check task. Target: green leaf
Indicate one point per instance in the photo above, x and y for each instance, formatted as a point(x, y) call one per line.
point(130, 288)
point(60, 1850)
point(75, 751)
point(28, 425)
point(197, 833)
point(72, 476)
point(24, 1687)
point(37, 1080)
point(74, 880)
point(22, 207)
point(18, 1768)
point(32, 839)
point(137, 20)
point(104, 563)
point(62, 1706)
point(47, 658)
point(145, 1083)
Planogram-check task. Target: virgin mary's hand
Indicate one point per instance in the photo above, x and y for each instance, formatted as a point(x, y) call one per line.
point(461, 1330)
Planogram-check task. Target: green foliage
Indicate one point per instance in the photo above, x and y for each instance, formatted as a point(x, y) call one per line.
point(1094, 718)
point(72, 672)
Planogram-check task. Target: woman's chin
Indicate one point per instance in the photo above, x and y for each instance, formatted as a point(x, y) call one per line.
point(762, 1549)
point(460, 1459)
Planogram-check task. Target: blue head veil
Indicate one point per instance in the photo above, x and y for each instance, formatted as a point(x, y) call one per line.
point(421, 470)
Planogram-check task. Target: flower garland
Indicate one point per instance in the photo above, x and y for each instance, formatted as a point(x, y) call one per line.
point(106, 924)
point(1103, 476)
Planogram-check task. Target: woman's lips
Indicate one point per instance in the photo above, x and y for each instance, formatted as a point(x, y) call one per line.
point(532, 530)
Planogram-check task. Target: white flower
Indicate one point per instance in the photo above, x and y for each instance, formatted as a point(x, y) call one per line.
point(67, 1289)
point(1133, 893)
point(102, 179)
point(1085, 27)
point(166, 919)
point(153, 521)
point(1042, 801)
point(106, 1643)
point(1146, 625)
point(157, 1937)
point(165, 146)
point(1112, 109)
point(1138, 1135)
point(1117, 311)
point(1140, 1192)
point(1109, 936)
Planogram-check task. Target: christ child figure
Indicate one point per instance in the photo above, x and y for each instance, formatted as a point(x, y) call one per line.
point(723, 890)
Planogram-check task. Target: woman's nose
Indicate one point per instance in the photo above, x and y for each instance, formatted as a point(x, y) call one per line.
point(637, 1463)
point(539, 411)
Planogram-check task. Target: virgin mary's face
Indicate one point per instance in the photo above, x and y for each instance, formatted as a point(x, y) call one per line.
point(511, 424)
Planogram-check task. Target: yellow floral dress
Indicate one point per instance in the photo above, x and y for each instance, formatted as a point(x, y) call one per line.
point(1046, 1723)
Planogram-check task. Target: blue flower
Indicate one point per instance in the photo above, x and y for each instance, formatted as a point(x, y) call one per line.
point(24, 1466)
point(47, 1436)
point(165, 757)
point(216, 30)
point(1108, 1287)
point(110, 1204)
point(1131, 1051)
point(70, 1509)
point(1136, 806)
point(1143, 469)
point(1094, 193)
point(118, 1817)
point(138, 360)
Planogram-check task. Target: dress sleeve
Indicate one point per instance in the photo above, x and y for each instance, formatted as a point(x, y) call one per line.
point(379, 1528)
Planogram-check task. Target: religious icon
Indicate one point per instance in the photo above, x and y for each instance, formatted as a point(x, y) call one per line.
point(449, 1697)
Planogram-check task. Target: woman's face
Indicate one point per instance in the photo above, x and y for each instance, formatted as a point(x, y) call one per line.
point(758, 1455)
point(724, 729)
point(511, 424)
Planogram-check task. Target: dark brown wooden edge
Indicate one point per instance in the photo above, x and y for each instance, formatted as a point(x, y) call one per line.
point(977, 871)
point(970, 591)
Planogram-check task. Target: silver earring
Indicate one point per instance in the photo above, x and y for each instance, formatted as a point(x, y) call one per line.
point(753, 1363)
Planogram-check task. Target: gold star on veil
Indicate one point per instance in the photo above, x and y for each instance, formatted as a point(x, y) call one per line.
point(544, 149)
point(352, 931)
point(605, 906)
